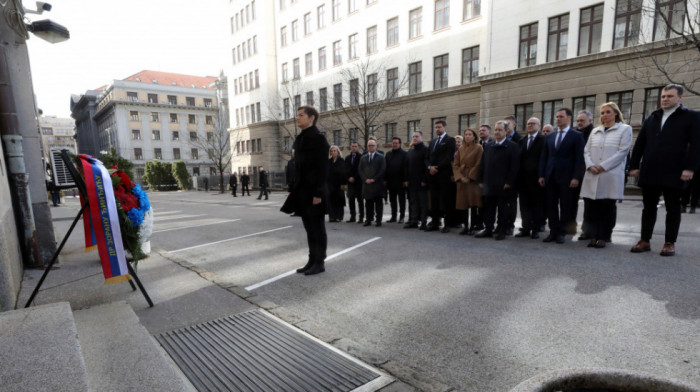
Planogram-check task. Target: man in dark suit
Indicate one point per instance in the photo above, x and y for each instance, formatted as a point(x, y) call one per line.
point(233, 182)
point(245, 180)
point(514, 137)
point(531, 193)
point(395, 178)
point(372, 169)
point(441, 152)
point(352, 162)
point(417, 183)
point(668, 147)
point(561, 171)
point(263, 183)
point(498, 171)
point(308, 196)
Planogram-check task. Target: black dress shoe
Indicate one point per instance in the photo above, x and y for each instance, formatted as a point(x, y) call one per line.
point(305, 268)
point(510, 231)
point(378, 224)
point(534, 235)
point(591, 243)
point(600, 244)
point(315, 269)
point(400, 220)
point(393, 219)
point(445, 230)
point(500, 237)
point(423, 227)
point(560, 239)
point(351, 220)
point(431, 228)
point(410, 225)
point(585, 237)
point(484, 234)
point(523, 233)
point(550, 238)
point(361, 220)
point(465, 231)
point(367, 223)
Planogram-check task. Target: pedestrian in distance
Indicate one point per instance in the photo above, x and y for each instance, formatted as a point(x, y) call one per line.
point(233, 183)
point(206, 184)
point(264, 183)
point(245, 182)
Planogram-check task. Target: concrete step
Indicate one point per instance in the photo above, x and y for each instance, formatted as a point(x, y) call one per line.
point(120, 354)
point(40, 350)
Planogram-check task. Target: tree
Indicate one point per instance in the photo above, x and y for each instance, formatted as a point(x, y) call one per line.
point(112, 158)
point(182, 176)
point(217, 145)
point(159, 175)
point(283, 107)
point(674, 56)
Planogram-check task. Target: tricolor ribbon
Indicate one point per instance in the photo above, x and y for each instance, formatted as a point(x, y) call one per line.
point(101, 220)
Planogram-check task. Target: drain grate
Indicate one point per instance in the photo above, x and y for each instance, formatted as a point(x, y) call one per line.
point(254, 351)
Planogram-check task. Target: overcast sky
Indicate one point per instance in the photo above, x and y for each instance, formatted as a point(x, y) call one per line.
point(114, 39)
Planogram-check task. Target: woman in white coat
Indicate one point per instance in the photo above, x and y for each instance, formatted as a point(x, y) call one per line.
point(604, 182)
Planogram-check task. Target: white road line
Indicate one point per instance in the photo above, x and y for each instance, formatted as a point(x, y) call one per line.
point(189, 227)
point(168, 212)
point(292, 272)
point(230, 239)
point(159, 219)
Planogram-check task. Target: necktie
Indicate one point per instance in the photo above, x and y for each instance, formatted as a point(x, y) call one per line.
point(556, 145)
point(437, 142)
point(529, 141)
point(352, 159)
point(370, 157)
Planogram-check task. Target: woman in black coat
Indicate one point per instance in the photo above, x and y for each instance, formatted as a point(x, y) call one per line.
point(337, 178)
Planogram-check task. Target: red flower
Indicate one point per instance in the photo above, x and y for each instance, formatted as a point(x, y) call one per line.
point(126, 200)
point(125, 180)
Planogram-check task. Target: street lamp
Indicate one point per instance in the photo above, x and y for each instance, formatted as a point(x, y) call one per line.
point(49, 30)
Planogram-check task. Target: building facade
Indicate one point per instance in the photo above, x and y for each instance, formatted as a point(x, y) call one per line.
point(57, 133)
point(468, 62)
point(158, 116)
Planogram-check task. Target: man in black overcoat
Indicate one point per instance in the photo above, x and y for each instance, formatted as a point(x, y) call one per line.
point(245, 181)
point(372, 170)
point(664, 157)
point(441, 152)
point(529, 189)
point(352, 162)
point(233, 182)
point(395, 178)
point(417, 183)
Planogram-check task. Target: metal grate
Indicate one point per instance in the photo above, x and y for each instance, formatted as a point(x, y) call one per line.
point(254, 351)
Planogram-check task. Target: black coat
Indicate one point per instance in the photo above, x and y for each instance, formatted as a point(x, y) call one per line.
point(665, 152)
point(565, 163)
point(395, 168)
point(416, 169)
point(310, 173)
point(442, 156)
point(516, 138)
point(499, 166)
point(289, 172)
point(352, 162)
point(263, 179)
point(233, 180)
point(337, 177)
point(245, 179)
point(530, 163)
point(374, 170)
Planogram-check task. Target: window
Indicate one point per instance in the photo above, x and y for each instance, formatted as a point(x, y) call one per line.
point(470, 64)
point(321, 16)
point(194, 153)
point(295, 68)
point(283, 36)
point(132, 97)
point(415, 76)
point(295, 30)
point(440, 71)
point(252, 113)
point(191, 119)
point(136, 134)
point(352, 6)
point(285, 104)
point(297, 102)
point(255, 44)
point(323, 99)
point(432, 125)
point(372, 87)
point(590, 30)
point(308, 63)
point(257, 79)
point(628, 14)
point(195, 171)
point(193, 136)
point(411, 127)
point(392, 83)
point(583, 103)
point(322, 58)
point(259, 141)
point(307, 23)
point(157, 153)
point(134, 115)
point(337, 55)
point(285, 73)
point(372, 40)
point(623, 99)
point(352, 47)
point(210, 136)
point(138, 154)
point(155, 117)
point(152, 98)
point(283, 4)
point(209, 120)
point(252, 9)
point(207, 102)
point(392, 31)
point(389, 132)
point(337, 137)
point(189, 101)
point(354, 92)
point(472, 9)
point(467, 121)
point(528, 45)
point(176, 153)
point(172, 100)
point(352, 135)
point(558, 37)
point(415, 20)
point(549, 108)
point(523, 112)
point(442, 14)
point(176, 135)
point(155, 134)
point(338, 95)
point(668, 18)
point(310, 98)
point(371, 2)
point(257, 110)
point(336, 10)
point(173, 118)
point(652, 101)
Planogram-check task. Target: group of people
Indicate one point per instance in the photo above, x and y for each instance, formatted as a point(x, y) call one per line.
point(475, 180)
point(245, 183)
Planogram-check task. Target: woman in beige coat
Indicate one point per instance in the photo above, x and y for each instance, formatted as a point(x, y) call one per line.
point(604, 182)
point(465, 168)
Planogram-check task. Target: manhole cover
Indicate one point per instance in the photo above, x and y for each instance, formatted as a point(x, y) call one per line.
point(255, 351)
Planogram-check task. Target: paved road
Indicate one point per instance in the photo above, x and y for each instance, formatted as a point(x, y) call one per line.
point(475, 314)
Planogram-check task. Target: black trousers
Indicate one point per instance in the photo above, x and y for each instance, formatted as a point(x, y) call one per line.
point(315, 227)
point(463, 218)
point(418, 205)
point(263, 191)
point(441, 204)
point(513, 210)
point(559, 206)
point(601, 217)
point(570, 226)
point(233, 189)
point(336, 210)
point(245, 189)
point(672, 199)
point(372, 205)
point(532, 209)
point(355, 195)
point(400, 206)
point(491, 205)
point(691, 194)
